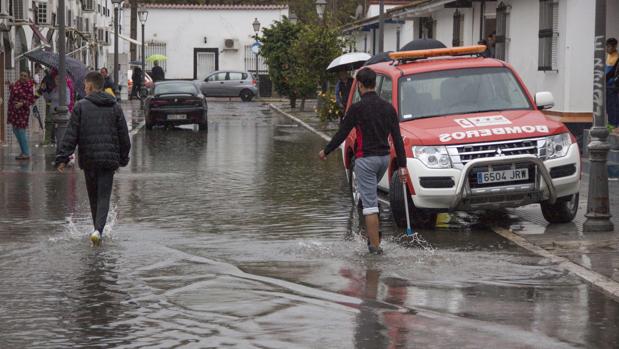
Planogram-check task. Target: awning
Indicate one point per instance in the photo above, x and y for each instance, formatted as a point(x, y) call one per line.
point(126, 38)
point(39, 35)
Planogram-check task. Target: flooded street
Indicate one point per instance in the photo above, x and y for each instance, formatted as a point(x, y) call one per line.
point(242, 238)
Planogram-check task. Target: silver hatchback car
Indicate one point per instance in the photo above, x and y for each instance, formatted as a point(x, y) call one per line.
point(230, 84)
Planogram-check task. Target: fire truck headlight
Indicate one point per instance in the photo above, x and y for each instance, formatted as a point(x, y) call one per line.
point(432, 156)
point(557, 146)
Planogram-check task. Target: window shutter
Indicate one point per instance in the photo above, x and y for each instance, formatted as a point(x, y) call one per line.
point(19, 11)
point(457, 29)
point(548, 35)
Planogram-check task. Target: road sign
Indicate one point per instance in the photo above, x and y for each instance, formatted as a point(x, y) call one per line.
point(255, 47)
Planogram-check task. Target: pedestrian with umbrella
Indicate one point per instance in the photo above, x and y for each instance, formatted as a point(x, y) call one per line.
point(342, 65)
point(158, 73)
point(21, 98)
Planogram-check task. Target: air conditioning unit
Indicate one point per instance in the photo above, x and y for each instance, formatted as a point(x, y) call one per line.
point(231, 45)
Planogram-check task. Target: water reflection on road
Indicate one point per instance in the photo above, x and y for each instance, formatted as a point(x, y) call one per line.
point(240, 238)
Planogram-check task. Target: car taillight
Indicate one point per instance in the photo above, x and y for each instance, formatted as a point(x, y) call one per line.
point(158, 102)
point(253, 82)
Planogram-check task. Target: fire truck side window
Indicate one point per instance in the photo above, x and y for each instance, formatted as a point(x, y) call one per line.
point(386, 89)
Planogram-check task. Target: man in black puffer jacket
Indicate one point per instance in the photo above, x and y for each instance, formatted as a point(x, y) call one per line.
point(99, 130)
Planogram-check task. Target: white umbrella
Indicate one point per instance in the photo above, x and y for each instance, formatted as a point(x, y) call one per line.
point(348, 61)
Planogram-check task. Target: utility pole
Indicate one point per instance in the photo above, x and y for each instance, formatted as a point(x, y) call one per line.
point(381, 26)
point(133, 29)
point(61, 114)
point(598, 208)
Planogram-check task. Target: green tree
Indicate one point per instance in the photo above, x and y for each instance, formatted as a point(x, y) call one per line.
point(316, 46)
point(277, 43)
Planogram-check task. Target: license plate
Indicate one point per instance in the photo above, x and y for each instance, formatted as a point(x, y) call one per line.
point(503, 176)
point(177, 117)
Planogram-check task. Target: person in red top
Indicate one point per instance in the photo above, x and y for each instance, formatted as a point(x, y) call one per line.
point(21, 98)
point(374, 120)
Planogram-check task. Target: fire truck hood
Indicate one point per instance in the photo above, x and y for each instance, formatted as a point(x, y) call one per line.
point(480, 127)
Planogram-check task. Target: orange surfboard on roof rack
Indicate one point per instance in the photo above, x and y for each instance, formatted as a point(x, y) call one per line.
point(438, 52)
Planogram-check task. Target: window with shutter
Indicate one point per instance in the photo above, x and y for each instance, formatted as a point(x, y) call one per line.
point(41, 15)
point(548, 35)
point(458, 29)
point(88, 5)
point(427, 28)
point(19, 10)
point(502, 27)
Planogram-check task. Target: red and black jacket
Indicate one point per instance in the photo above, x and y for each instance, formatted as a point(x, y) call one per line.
point(374, 119)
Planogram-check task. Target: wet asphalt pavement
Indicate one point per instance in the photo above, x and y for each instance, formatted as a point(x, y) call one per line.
point(241, 238)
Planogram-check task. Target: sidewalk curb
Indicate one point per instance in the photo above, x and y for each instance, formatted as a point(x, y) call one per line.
point(599, 281)
point(299, 121)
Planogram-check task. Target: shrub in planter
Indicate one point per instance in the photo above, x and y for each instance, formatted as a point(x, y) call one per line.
point(328, 110)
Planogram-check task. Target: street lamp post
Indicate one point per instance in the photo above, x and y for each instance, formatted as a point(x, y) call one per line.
point(598, 208)
point(256, 25)
point(116, 87)
point(143, 16)
point(61, 114)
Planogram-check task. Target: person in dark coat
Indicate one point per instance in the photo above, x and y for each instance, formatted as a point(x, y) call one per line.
point(158, 74)
point(99, 130)
point(108, 82)
point(138, 80)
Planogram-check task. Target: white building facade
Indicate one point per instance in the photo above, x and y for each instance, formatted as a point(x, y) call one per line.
point(549, 42)
point(199, 39)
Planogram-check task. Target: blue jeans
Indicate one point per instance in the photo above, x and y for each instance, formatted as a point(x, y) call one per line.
point(22, 138)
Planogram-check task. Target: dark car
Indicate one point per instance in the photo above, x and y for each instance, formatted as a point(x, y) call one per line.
point(173, 103)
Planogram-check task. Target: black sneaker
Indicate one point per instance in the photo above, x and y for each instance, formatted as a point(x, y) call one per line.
point(375, 250)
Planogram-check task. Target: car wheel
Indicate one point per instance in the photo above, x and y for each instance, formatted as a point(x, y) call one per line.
point(352, 185)
point(246, 95)
point(419, 218)
point(562, 211)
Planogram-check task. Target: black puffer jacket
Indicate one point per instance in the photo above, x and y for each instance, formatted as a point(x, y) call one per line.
point(99, 129)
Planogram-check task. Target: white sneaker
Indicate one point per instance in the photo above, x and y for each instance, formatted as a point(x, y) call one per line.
point(95, 238)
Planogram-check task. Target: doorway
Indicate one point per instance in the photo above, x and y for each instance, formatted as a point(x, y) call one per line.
point(205, 61)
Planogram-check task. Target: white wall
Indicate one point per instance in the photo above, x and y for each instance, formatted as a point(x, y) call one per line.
point(612, 18)
point(183, 30)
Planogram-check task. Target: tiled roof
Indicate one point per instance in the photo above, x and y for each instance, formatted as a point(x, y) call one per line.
point(214, 7)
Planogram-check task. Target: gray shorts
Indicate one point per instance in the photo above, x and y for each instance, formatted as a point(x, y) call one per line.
point(369, 171)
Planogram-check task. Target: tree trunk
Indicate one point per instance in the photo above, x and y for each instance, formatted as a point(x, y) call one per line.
point(133, 29)
point(293, 101)
point(302, 104)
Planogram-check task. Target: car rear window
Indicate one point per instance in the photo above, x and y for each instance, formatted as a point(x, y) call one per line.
point(180, 88)
point(460, 91)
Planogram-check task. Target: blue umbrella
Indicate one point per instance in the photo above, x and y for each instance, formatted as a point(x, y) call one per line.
point(76, 69)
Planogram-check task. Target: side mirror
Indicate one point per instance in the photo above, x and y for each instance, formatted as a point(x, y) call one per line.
point(544, 100)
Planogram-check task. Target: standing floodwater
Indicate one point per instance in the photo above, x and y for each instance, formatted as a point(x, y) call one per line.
point(241, 238)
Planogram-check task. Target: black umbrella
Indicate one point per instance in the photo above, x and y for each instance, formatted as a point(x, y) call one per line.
point(422, 44)
point(379, 58)
point(75, 68)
